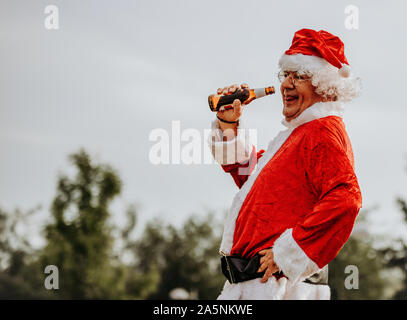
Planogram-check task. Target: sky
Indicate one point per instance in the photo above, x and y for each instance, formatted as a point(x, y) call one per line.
point(115, 71)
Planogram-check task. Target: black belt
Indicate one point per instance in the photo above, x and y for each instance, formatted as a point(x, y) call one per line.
point(237, 269)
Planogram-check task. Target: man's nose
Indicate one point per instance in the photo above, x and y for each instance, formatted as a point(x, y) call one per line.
point(287, 83)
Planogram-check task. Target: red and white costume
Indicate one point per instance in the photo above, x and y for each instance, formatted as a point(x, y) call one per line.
point(301, 199)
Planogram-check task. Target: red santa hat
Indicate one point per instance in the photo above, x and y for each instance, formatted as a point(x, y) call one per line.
point(321, 55)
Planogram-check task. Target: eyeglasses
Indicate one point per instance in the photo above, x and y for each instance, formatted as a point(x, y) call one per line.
point(295, 77)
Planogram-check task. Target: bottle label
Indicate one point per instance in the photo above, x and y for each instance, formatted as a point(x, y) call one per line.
point(260, 92)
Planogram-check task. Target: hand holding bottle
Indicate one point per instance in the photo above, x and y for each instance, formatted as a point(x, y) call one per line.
point(244, 94)
point(230, 113)
point(227, 102)
point(234, 111)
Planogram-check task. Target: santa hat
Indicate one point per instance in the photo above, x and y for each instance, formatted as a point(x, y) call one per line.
point(321, 55)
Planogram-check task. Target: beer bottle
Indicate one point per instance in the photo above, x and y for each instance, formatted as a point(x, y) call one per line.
point(245, 96)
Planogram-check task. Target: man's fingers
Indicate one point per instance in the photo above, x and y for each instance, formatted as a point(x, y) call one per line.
point(268, 261)
point(262, 252)
point(233, 88)
point(262, 268)
point(229, 89)
point(267, 275)
point(237, 108)
point(226, 90)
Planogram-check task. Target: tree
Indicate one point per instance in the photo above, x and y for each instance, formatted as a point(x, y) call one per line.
point(79, 240)
point(395, 256)
point(185, 257)
point(20, 275)
point(359, 252)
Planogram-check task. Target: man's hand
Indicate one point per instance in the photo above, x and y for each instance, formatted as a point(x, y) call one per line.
point(231, 112)
point(267, 264)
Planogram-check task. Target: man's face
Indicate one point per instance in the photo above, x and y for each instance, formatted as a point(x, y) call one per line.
point(298, 94)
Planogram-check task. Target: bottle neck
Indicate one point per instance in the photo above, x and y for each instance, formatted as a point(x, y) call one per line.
point(261, 92)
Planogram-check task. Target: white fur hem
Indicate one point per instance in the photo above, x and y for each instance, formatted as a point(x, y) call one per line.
point(303, 63)
point(291, 259)
point(274, 290)
point(236, 150)
point(308, 63)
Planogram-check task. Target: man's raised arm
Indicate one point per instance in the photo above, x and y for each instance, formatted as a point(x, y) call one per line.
point(230, 142)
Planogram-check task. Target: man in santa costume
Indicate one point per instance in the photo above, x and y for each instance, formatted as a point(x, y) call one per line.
point(298, 200)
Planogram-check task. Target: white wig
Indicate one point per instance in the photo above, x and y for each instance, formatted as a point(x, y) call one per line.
point(328, 80)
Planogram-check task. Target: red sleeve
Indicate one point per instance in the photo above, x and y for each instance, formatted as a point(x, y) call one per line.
point(324, 230)
point(241, 171)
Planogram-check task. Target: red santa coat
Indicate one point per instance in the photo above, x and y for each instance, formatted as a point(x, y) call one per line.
point(301, 198)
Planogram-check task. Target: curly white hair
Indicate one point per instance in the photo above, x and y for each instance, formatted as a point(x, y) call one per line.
point(325, 77)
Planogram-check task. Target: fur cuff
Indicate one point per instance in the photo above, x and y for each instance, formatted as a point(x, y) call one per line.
point(232, 151)
point(291, 259)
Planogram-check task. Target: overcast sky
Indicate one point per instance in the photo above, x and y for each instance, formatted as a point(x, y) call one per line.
point(116, 70)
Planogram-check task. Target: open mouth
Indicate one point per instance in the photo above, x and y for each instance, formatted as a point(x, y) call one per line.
point(290, 98)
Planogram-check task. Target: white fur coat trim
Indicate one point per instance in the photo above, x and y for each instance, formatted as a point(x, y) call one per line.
point(291, 259)
point(274, 289)
point(316, 111)
point(303, 63)
point(232, 151)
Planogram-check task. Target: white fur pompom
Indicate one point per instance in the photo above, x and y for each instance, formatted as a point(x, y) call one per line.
point(345, 71)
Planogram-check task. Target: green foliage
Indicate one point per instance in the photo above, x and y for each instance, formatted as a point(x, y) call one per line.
point(186, 257)
point(19, 268)
point(395, 256)
point(80, 244)
point(359, 253)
